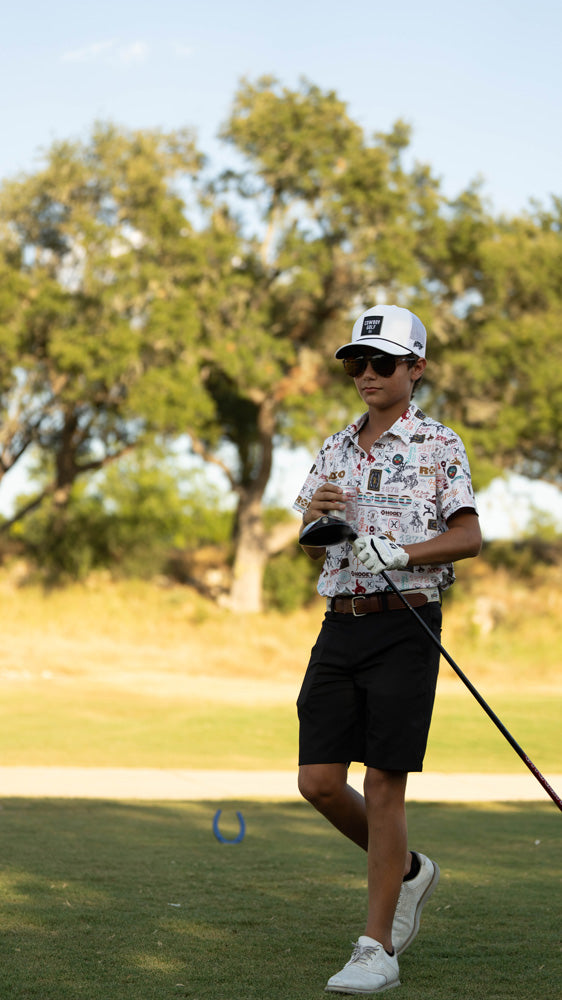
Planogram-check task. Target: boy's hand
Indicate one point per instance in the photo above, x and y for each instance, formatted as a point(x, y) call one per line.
point(379, 553)
point(326, 498)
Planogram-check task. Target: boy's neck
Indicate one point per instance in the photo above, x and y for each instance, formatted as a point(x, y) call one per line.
point(379, 421)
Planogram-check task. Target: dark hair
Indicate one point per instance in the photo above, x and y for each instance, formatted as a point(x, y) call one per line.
point(411, 360)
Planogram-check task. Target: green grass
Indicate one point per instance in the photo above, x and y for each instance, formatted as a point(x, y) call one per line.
point(49, 724)
point(463, 738)
point(86, 894)
point(132, 674)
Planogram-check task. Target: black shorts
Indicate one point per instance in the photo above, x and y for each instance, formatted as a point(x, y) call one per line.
point(369, 689)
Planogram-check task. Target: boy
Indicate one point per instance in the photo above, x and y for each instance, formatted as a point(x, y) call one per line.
point(369, 688)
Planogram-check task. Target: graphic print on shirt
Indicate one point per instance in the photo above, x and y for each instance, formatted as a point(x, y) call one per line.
point(374, 481)
point(407, 481)
point(414, 478)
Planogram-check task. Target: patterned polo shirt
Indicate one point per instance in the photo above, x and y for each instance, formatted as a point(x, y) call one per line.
point(415, 477)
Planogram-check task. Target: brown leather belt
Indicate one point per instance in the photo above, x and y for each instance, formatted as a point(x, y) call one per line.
point(359, 605)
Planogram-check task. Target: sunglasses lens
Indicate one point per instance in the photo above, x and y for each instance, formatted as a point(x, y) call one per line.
point(385, 366)
point(354, 366)
point(382, 364)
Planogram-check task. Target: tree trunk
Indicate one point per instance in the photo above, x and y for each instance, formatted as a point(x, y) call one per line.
point(251, 542)
point(246, 592)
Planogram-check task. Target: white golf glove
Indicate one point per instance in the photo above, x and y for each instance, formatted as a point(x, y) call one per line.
point(379, 553)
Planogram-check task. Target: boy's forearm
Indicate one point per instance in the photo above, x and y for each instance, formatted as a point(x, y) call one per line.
point(461, 540)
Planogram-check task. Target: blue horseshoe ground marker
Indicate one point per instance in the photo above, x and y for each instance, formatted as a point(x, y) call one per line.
point(219, 835)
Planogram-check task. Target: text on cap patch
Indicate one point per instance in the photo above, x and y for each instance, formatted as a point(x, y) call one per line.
point(371, 326)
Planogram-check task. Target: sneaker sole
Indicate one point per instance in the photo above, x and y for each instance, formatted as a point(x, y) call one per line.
point(357, 992)
point(423, 900)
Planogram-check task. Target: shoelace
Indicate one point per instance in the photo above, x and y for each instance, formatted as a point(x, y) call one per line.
point(362, 953)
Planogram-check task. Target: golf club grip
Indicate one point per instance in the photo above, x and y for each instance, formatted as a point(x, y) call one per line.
point(492, 715)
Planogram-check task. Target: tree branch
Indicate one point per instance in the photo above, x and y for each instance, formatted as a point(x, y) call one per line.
point(281, 536)
point(100, 463)
point(199, 448)
point(29, 506)
point(54, 487)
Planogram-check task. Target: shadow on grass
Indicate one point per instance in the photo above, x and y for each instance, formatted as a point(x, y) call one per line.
point(120, 900)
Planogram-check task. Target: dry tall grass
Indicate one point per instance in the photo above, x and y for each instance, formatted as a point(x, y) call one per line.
point(168, 638)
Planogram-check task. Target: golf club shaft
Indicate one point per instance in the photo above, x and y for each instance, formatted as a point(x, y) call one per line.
point(497, 722)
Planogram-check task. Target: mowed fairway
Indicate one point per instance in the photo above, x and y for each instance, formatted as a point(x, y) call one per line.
point(59, 725)
point(110, 901)
point(115, 900)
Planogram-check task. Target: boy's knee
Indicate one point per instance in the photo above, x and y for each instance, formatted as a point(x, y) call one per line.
point(383, 788)
point(319, 784)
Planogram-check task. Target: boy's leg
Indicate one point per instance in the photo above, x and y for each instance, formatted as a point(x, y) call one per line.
point(326, 787)
point(388, 857)
point(373, 966)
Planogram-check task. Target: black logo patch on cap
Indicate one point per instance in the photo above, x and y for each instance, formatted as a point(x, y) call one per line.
point(371, 326)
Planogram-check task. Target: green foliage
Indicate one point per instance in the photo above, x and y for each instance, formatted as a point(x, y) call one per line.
point(127, 309)
point(151, 498)
point(524, 558)
point(294, 139)
point(501, 376)
point(543, 524)
point(101, 337)
point(68, 543)
point(127, 521)
point(290, 580)
point(336, 214)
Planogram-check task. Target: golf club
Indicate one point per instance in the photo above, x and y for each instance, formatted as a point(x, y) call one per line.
point(492, 715)
point(328, 530)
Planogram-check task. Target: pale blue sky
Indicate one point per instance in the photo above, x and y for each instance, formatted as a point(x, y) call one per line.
point(479, 83)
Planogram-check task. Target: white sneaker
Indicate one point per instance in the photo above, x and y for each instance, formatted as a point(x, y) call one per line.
point(411, 901)
point(370, 970)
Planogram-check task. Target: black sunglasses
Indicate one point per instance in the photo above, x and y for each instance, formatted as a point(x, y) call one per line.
point(382, 364)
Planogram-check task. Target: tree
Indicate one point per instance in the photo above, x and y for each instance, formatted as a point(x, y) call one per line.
point(501, 378)
point(16, 434)
point(128, 309)
point(338, 222)
point(132, 517)
point(98, 337)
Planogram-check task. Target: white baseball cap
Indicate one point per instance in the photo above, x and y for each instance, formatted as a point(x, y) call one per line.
point(390, 329)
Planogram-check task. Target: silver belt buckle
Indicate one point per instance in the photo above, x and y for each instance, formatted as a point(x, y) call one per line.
point(357, 614)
